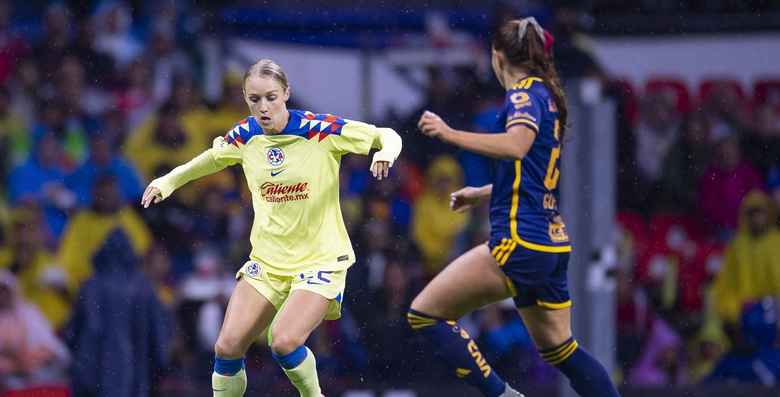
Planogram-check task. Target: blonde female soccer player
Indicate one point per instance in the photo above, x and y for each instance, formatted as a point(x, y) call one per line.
point(300, 248)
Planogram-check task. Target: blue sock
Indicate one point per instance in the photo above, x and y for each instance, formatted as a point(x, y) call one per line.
point(228, 367)
point(586, 376)
point(453, 345)
point(292, 359)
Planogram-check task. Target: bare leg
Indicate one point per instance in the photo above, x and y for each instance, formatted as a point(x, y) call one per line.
point(248, 314)
point(302, 313)
point(468, 283)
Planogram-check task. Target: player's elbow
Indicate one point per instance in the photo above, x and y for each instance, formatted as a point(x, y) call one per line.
point(516, 152)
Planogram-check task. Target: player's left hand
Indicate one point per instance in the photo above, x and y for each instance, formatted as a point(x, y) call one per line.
point(152, 195)
point(432, 125)
point(380, 169)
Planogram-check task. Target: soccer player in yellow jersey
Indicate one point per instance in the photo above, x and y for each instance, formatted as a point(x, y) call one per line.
point(300, 248)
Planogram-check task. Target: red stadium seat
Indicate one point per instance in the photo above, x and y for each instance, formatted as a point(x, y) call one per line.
point(43, 391)
point(708, 86)
point(766, 91)
point(657, 84)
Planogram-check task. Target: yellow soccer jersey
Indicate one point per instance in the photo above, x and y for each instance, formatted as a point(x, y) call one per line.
point(294, 180)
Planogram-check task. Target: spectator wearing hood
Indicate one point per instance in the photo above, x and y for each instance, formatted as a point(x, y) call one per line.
point(751, 267)
point(119, 331)
point(434, 225)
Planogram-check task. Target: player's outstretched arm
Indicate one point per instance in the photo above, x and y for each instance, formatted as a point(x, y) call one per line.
point(512, 144)
point(468, 197)
point(211, 161)
point(390, 143)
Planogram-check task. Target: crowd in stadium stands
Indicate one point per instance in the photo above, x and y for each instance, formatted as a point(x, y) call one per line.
point(92, 287)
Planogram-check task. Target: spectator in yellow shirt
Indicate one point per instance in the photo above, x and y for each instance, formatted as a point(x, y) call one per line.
point(434, 225)
point(41, 281)
point(89, 229)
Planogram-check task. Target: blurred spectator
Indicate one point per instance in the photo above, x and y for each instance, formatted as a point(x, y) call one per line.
point(24, 88)
point(82, 101)
point(42, 282)
point(12, 46)
point(762, 144)
point(134, 96)
point(754, 356)
point(40, 180)
point(204, 295)
point(196, 118)
point(386, 322)
point(13, 135)
point(685, 163)
point(89, 229)
point(103, 160)
point(752, 264)
point(232, 105)
point(634, 317)
point(773, 185)
point(168, 62)
point(726, 110)
point(30, 353)
point(157, 267)
point(69, 126)
point(57, 36)
point(658, 129)
point(113, 20)
point(661, 362)
point(434, 225)
point(573, 57)
point(161, 143)
point(119, 332)
point(725, 183)
point(98, 66)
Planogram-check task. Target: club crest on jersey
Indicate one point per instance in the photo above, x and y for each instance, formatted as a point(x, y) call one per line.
point(275, 156)
point(253, 269)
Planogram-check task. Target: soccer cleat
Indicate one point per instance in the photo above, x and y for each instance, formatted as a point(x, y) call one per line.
point(510, 392)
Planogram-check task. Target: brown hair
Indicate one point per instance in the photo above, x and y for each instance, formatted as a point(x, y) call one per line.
point(267, 68)
point(528, 53)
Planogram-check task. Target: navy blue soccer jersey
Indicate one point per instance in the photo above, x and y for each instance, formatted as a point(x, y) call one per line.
point(524, 200)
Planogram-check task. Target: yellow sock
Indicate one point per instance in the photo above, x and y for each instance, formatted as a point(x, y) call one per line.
point(229, 386)
point(304, 376)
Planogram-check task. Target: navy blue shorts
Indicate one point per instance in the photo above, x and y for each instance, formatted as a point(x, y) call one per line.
point(537, 278)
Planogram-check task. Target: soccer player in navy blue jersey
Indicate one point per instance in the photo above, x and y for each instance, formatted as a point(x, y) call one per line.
point(528, 252)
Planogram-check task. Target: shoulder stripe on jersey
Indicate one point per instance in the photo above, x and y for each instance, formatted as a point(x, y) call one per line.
point(243, 131)
point(311, 125)
point(523, 121)
point(526, 83)
point(513, 218)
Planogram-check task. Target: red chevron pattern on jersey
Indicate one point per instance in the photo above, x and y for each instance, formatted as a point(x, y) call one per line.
point(243, 131)
point(321, 125)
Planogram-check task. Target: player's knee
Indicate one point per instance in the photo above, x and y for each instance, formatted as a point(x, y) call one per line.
point(228, 347)
point(418, 320)
point(551, 337)
point(284, 342)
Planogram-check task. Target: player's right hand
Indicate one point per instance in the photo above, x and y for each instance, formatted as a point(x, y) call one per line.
point(465, 199)
point(152, 195)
